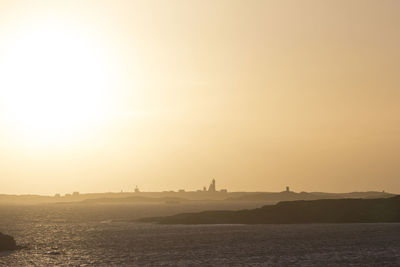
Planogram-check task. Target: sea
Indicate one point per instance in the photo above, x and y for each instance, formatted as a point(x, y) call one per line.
point(108, 235)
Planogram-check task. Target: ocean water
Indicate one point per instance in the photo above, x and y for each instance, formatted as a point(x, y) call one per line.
point(107, 236)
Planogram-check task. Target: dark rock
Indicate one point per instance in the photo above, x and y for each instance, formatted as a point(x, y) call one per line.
point(7, 242)
point(382, 210)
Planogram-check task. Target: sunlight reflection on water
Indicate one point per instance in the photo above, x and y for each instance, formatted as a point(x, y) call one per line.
point(51, 241)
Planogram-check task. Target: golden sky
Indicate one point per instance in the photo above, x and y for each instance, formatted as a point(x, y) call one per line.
point(105, 95)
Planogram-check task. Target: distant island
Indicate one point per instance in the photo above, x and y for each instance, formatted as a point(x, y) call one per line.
point(181, 196)
point(382, 210)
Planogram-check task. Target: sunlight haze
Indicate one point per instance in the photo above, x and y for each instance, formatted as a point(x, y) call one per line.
point(99, 96)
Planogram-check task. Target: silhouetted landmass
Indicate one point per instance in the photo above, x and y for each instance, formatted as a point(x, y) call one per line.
point(291, 196)
point(264, 198)
point(382, 210)
point(136, 199)
point(173, 196)
point(7, 242)
point(234, 197)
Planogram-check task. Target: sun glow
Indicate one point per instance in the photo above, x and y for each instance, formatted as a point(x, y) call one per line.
point(55, 82)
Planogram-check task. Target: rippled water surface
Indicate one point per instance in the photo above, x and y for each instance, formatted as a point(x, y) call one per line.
point(98, 236)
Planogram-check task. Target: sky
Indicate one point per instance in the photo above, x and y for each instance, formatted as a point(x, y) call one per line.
point(102, 96)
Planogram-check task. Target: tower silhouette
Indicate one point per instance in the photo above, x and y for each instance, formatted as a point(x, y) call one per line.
point(211, 188)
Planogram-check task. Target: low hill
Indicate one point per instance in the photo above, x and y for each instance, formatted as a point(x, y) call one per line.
point(136, 199)
point(291, 196)
point(287, 212)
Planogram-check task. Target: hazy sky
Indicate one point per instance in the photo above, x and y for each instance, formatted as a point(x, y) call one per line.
point(105, 95)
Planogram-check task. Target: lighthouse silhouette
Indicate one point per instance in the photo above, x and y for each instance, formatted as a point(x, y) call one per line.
point(211, 188)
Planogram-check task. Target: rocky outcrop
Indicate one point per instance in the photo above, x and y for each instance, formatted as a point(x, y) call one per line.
point(7, 242)
point(383, 210)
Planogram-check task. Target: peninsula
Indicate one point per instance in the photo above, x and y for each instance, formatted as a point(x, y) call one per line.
point(382, 210)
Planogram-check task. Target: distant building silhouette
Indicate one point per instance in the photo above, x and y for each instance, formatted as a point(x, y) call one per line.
point(212, 188)
point(287, 189)
point(137, 189)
